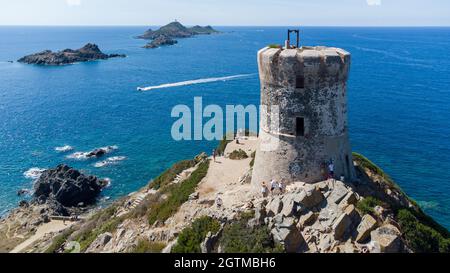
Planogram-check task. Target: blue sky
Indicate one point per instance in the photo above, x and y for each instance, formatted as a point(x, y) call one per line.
point(227, 12)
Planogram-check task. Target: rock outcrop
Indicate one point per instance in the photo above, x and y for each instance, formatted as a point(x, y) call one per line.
point(160, 41)
point(90, 52)
point(67, 187)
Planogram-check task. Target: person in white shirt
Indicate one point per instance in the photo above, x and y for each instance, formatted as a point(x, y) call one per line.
point(282, 186)
point(264, 189)
point(273, 186)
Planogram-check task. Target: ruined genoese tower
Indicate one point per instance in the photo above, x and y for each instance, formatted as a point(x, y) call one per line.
point(308, 84)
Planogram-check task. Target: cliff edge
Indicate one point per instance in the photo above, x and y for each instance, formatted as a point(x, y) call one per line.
point(202, 205)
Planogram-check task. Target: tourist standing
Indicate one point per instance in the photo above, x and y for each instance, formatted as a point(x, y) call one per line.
point(219, 202)
point(331, 170)
point(282, 187)
point(273, 186)
point(264, 189)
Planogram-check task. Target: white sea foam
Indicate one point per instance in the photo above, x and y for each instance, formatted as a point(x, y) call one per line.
point(64, 149)
point(110, 161)
point(108, 182)
point(192, 82)
point(86, 155)
point(34, 173)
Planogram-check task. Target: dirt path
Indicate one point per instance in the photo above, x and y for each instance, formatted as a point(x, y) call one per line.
point(223, 176)
point(51, 227)
point(221, 181)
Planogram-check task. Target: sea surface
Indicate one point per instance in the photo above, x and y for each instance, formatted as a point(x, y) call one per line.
point(399, 98)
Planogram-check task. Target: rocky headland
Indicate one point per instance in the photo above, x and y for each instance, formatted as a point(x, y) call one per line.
point(58, 194)
point(202, 205)
point(89, 52)
point(166, 35)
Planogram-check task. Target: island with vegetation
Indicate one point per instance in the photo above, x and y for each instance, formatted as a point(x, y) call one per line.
point(166, 35)
point(89, 52)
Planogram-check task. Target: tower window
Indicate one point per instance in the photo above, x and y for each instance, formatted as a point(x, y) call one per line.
point(299, 126)
point(300, 82)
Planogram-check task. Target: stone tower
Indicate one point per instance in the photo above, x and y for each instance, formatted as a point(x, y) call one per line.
point(308, 84)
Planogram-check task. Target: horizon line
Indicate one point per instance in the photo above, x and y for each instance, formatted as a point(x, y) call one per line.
point(139, 25)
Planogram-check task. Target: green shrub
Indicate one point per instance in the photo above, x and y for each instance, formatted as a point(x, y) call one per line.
point(94, 229)
point(274, 46)
point(223, 145)
point(237, 237)
point(191, 237)
point(58, 241)
point(145, 246)
point(238, 155)
point(252, 163)
point(177, 195)
point(420, 237)
point(367, 205)
point(365, 163)
point(169, 175)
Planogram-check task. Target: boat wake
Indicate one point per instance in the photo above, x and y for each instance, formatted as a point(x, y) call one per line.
point(192, 82)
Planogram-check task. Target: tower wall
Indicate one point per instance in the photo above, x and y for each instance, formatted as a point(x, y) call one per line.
point(308, 85)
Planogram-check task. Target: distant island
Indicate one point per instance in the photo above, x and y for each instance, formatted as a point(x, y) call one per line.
point(89, 52)
point(166, 34)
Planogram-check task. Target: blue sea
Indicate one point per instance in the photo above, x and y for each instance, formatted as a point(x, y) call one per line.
point(399, 97)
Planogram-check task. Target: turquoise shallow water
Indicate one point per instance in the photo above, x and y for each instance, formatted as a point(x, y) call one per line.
point(398, 95)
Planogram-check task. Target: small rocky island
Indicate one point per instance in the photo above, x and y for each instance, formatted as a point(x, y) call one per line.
point(166, 34)
point(161, 41)
point(89, 52)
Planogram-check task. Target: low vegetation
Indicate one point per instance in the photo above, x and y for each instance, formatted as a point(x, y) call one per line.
point(238, 237)
point(252, 163)
point(421, 237)
point(367, 205)
point(169, 175)
point(238, 155)
point(274, 46)
point(58, 241)
point(99, 223)
point(220, 150)
point(177, 195)
point(145, 246)
point(191, 237)
point(365, 163)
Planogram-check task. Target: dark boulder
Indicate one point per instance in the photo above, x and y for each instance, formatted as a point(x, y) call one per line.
point(66, 187)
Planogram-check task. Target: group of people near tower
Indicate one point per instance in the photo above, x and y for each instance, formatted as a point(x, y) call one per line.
point(276, 188)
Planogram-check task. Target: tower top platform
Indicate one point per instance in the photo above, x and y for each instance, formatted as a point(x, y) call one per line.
point(308, 53)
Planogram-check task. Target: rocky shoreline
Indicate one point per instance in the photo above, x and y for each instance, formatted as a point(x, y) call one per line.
point(371, 215)
point(89, 52)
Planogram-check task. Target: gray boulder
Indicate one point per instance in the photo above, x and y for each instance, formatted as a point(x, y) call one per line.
point(341, 226)
point(367, 225)
point(389, 239)
point(274, 207)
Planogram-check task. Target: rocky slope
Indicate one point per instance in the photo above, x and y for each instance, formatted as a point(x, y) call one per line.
point(89, 52)
point(180, 211)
